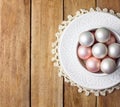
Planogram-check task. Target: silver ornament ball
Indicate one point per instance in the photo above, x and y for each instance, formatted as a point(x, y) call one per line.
point(86, 39)
point(102, 35)
point(114, 50)
point(99, 50)
point(108, 65)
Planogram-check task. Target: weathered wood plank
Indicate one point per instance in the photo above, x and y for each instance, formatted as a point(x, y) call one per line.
point(111, 100)
point(14, 53)
point(71, 96)
point(73, 99)
point(47, 88)
point(115, 5)
point(71, 6)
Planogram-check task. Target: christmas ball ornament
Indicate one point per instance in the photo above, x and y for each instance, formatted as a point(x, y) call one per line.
point(86, 39)
point(84, 52)
point(93, 64)
point(99, 50)
point(102, 35)
point(114, 50)
point(108, 65)
point(111, 40)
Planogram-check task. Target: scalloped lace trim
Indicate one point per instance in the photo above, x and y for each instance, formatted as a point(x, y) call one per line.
point(55, 58)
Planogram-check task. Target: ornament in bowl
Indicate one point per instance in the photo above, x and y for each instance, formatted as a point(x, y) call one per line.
point(99, 50)
point(93, 65)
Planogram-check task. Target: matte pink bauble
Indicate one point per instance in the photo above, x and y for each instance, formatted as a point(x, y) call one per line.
point(93, 64)
point(84, 52)
point(111, 40)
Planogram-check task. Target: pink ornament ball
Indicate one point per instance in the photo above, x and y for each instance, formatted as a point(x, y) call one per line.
point(91, 56)
point(93, 64)
point(84, 52)
point(111, 40)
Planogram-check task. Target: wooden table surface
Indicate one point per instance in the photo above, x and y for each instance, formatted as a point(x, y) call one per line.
point(27, 76)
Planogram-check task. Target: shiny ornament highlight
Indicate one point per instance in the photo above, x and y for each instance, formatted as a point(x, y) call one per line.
point(84, 52)
point(114, 50)
point(102, 35)
point(99, 50)
point(93, 64)
point(108, 65)
point(86, 39)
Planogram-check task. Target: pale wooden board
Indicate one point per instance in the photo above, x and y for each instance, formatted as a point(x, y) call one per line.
point(14, 53)
point(47, 88)
point(71, 96)
point(74, 99)
point(111, 100)
point(71, 6)
point(110, 4)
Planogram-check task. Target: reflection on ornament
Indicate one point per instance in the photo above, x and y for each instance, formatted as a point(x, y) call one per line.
point(99, 50)
point(93, 64)
point(108, 65)
point(86, 39)
point(102, 35)
point(114, 50)
point(84, 52)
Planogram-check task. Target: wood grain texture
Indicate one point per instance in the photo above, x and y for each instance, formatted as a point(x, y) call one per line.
point(111, 100)
point(71, 6)
point(14, 53)
point(110, 4)
point(74, 99)
point(71, 96)
point(47, 88)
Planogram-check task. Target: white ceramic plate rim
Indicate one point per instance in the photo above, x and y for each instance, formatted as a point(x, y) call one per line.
point(68, 57)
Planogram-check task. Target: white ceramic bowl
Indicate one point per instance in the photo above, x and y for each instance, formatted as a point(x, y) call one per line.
point(68, 45)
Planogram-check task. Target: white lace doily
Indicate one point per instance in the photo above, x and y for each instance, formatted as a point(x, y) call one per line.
point(76, 75)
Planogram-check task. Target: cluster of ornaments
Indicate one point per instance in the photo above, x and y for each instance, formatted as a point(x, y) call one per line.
point(99, 50)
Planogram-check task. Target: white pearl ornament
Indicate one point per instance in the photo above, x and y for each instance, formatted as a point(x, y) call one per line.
point(102, 35)
point(86, 39)
point(108, 65)
point(99, 50)
point(114, 50)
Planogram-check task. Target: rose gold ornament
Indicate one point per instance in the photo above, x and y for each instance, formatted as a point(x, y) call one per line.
point(111, 40)
point(93, 64)
point(84, 52)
